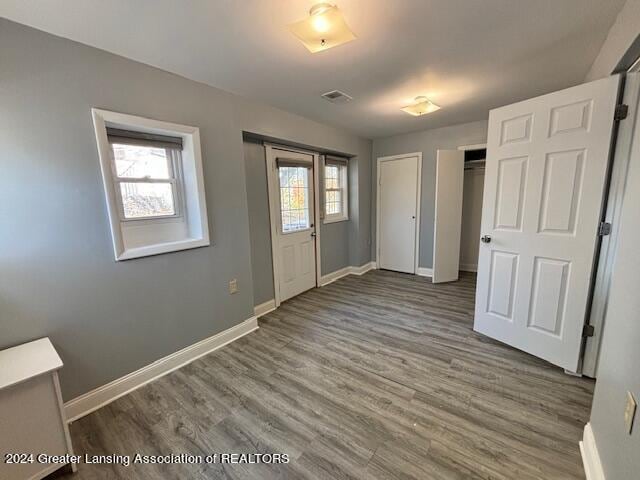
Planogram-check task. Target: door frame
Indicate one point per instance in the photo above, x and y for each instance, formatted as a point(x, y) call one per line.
point(620, 157)
point(273, 210)
point(416, 253)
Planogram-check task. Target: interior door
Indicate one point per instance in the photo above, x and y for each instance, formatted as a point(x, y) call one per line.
point(398, 183)
point(296, 234)
point(545, 175)
point(448, 215)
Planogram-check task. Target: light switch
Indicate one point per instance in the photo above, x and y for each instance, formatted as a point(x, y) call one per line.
point(629, 412)
point(233, 286)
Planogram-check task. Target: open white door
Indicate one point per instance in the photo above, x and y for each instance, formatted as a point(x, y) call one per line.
point(448, 215)
point(544, 184)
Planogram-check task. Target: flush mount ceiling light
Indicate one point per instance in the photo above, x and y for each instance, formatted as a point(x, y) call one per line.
point(420, 106)
point(323, 29)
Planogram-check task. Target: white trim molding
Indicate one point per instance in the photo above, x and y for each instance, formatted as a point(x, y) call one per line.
point(343, 272)
point(333, 276)
point(133, 239)
point(101, 396)
point(590, 458)
point(264, 308)
point(425, 272)
point(468, 267)
point(361, 270)
point(476, 146)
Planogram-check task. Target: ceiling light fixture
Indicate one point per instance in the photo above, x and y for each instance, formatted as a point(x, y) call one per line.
point(323, 29)
point(421, 106)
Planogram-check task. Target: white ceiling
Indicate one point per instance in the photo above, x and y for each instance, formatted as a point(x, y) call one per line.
point(468, 56)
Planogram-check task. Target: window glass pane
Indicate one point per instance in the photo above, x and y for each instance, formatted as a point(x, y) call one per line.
point(147, 199)
point(332, 176)
point(294, 198)
point(333, 202)
point(141, 162)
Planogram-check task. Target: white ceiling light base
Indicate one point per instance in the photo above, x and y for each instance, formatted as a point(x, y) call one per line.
point(324, 28)
point(421, 106)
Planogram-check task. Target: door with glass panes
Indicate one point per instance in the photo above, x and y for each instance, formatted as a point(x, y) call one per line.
point(292, 188)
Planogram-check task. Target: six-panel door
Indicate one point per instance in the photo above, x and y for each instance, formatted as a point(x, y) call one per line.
point(544, 183)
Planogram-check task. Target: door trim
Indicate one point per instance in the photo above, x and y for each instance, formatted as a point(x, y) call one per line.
point(416, 253)
point(273, 217)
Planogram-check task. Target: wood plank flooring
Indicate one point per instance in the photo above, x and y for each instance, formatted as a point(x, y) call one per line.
point(371, 377)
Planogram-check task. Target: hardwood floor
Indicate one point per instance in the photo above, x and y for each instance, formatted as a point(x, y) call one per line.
point(371, 377)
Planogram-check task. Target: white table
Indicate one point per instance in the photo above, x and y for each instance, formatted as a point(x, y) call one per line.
point(32, 420)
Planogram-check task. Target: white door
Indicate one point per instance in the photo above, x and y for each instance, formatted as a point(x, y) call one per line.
point(398, 197)
point(292, 195)
point(544, 184)
point(448, 215)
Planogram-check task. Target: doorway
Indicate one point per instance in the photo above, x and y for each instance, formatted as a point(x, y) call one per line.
point(472, 190)
point(293, 210)
point(398, 212)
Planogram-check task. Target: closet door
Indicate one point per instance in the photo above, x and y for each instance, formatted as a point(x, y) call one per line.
point(448, 215)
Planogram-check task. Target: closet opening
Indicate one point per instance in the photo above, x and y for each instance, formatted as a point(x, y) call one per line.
point(473, 188)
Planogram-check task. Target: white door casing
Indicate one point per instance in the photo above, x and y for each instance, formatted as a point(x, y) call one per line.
point(448, 215)
point(294, 251)
point(546, 165)
point(398, 212)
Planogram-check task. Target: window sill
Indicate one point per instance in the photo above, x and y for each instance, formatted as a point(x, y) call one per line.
point(335, 219)
point(160, 248)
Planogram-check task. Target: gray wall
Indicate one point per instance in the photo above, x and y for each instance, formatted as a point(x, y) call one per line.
point(427, 142)
point(619, 361)
point(619, 364)
point(621, 34)
point(259, 227)
point(335, 237)
point(59, 278)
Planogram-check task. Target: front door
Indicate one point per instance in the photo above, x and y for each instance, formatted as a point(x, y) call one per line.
point(545, 175)
point(295, 251)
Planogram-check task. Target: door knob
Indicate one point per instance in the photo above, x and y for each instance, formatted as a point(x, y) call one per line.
point(313, 234)
point(485, 239)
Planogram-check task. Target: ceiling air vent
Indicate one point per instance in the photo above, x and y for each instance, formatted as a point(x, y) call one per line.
point(336, 96)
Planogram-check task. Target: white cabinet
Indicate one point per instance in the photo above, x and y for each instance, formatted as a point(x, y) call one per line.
point(32, 421)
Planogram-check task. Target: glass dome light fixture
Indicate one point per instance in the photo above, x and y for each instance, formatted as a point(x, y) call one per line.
point(324, 28)
point(420, 106)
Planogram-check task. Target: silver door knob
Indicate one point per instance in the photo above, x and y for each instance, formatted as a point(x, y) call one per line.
point(485, 239)
point(313, 234)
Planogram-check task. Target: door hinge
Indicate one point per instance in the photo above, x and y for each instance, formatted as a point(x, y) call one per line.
point(604, 229)
point(621, 113)
point(588, 331)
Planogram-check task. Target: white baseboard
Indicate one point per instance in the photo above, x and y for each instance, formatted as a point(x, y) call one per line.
point(333, 276)
point(101, 396)
point(343, 272)
point(361, 270)
point(425, 272)
point(590, 457)
point(264, 308)
point(468, 267)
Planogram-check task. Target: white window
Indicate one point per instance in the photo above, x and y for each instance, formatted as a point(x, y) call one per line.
point(152, 173)
point(336, 201)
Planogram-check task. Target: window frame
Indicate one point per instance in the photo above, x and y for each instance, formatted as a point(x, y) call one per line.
point(343, 180)
point(174, 161)
point(143, 237)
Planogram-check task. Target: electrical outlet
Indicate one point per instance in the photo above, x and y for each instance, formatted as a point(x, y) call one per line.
point(233, 286)
point(629, 412)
